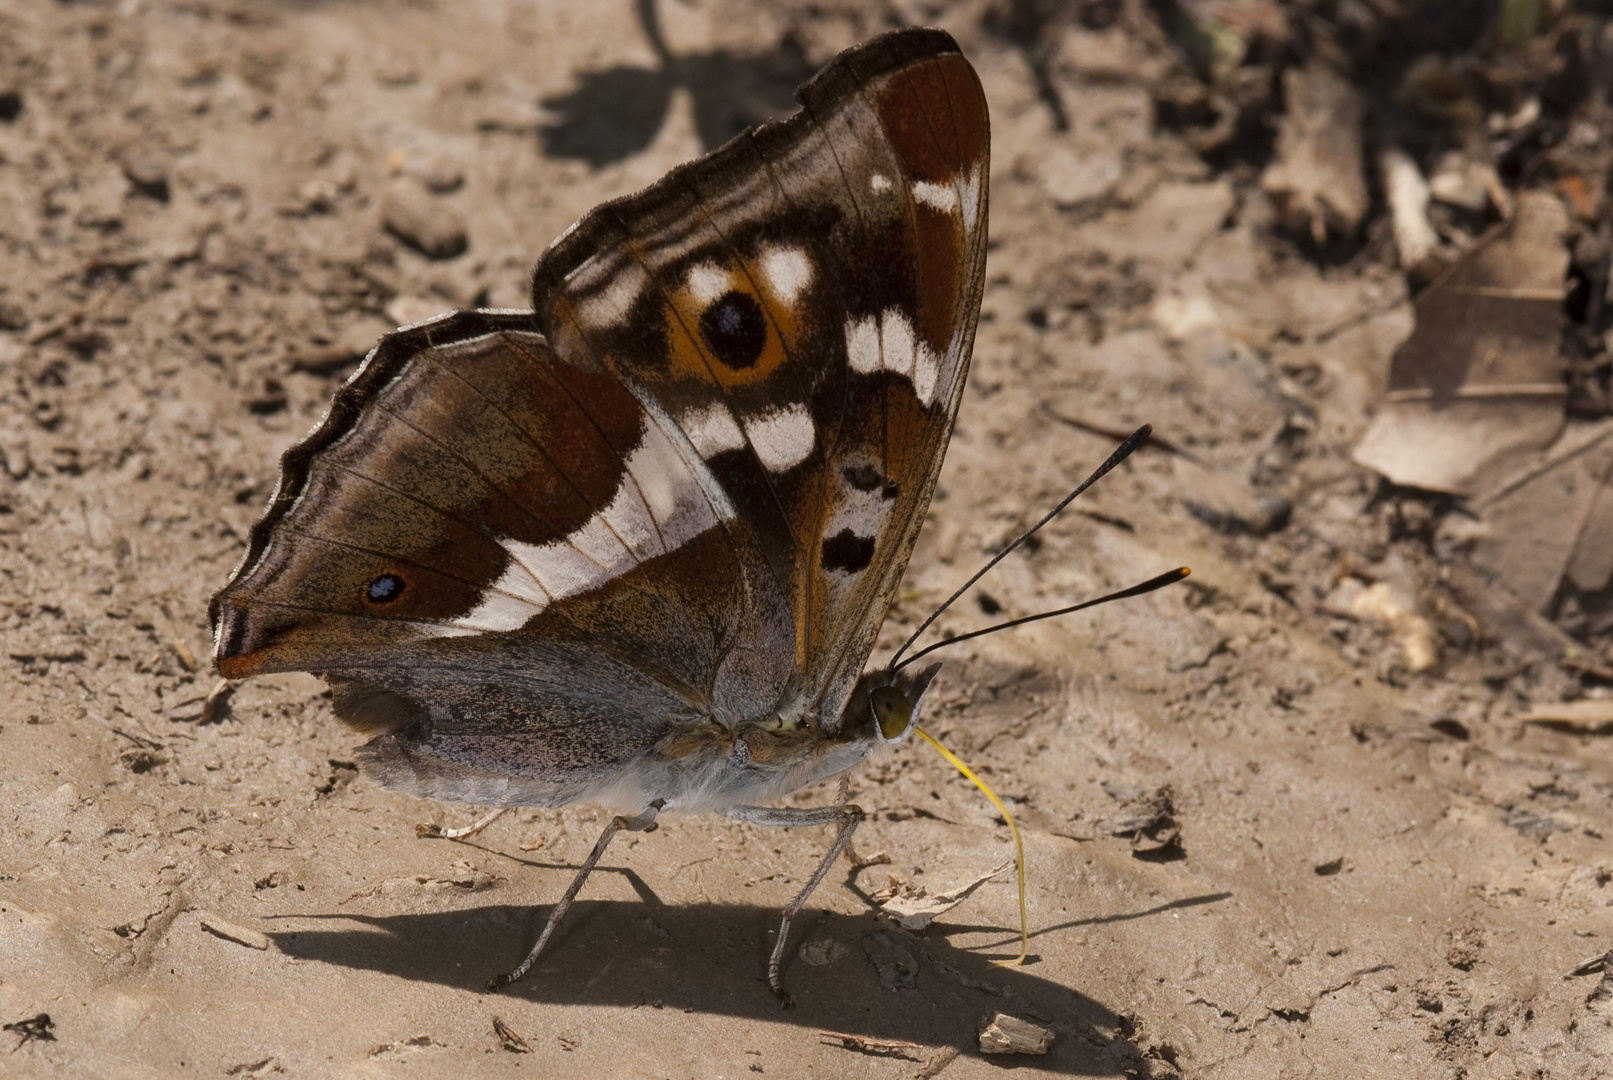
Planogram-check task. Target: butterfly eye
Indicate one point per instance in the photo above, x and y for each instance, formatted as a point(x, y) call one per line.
point(734, 329)
point(384, 589)
point(893, 711)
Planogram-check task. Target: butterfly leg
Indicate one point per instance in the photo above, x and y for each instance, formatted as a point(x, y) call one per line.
point(848, 817)
point(857, 861)
point(642, 823)
point(437, 832)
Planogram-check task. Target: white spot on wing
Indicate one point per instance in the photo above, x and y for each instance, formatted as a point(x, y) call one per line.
point(716, 497)
point(630, 519)
point(926, 369)
point(782, 439)
point(658, 506)
point(712, 430)
point(862, 345)
point(707, 281)
point(879, 182)
point(942, 197)
point(896, 342)
point(788, 272)
point(954, 360)
point(500, 610)
point(889, 344)
point(610, 304)
point(862, 513)
point(970, 188)
point(670, 490)
point(568, 568)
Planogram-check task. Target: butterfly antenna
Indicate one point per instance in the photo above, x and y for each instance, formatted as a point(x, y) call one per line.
point(1121, 454)
point(1169, 577)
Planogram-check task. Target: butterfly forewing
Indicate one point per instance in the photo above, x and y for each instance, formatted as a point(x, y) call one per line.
point(801, 306)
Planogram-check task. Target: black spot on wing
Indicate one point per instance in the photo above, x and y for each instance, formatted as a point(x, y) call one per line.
point(867, 478)
point(735, 329)
point(847, 552)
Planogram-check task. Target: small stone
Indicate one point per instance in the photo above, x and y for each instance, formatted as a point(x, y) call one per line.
point(893, 957)
point(1071, 179)
point(424, 223)
point(823, 951)
point(406, 310)
point(19, 462)
point(1004, 1034)
point(439, 173)
point(146, 172)
point(351, 345)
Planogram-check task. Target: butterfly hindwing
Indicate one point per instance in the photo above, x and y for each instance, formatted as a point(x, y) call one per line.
point(442, 545)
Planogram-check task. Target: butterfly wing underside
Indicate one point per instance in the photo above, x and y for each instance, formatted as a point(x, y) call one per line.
point(527, 547)
point(801, 307)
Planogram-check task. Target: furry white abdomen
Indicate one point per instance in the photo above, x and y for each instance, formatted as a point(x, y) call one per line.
point(712, 779)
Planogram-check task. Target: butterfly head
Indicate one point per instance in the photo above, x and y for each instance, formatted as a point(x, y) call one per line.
point(894, 701)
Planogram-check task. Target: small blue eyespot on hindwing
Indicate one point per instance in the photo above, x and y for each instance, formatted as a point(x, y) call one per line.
point(384, 589)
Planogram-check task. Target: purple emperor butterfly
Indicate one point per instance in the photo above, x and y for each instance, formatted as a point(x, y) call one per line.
point(634, 546)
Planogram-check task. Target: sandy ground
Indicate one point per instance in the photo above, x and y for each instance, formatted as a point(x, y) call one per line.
point(192, 251)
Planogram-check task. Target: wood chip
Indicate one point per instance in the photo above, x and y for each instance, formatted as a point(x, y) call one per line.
point(508, 1039)
point(1317, 179)
point(870, 1045)
point(1480, 381)
point(947, 1056)
point(1593, 717)
point(1004, 1034)
point(1406, 191)
point(231, 932)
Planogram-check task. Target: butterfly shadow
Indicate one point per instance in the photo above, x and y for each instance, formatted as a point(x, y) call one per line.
point(616, 112)
point(856, 974)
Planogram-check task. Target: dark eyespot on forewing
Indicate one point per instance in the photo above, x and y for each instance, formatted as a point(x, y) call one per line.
point(735, 329)
point(847, 552)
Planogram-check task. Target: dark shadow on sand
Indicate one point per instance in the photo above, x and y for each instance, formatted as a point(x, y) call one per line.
point(711, 958)
point(616, 112)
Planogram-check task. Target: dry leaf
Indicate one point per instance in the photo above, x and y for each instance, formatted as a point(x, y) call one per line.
point(913, 909)
point(1480, 380)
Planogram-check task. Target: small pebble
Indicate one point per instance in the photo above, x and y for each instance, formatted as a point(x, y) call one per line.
point(424, 223)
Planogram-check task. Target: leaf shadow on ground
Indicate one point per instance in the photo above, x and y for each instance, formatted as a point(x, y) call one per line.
point(616, 112)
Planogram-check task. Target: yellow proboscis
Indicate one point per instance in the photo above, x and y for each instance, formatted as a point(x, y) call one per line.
point(1019, 847)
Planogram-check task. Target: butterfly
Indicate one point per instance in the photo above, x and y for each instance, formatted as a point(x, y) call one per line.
point(634, 546)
